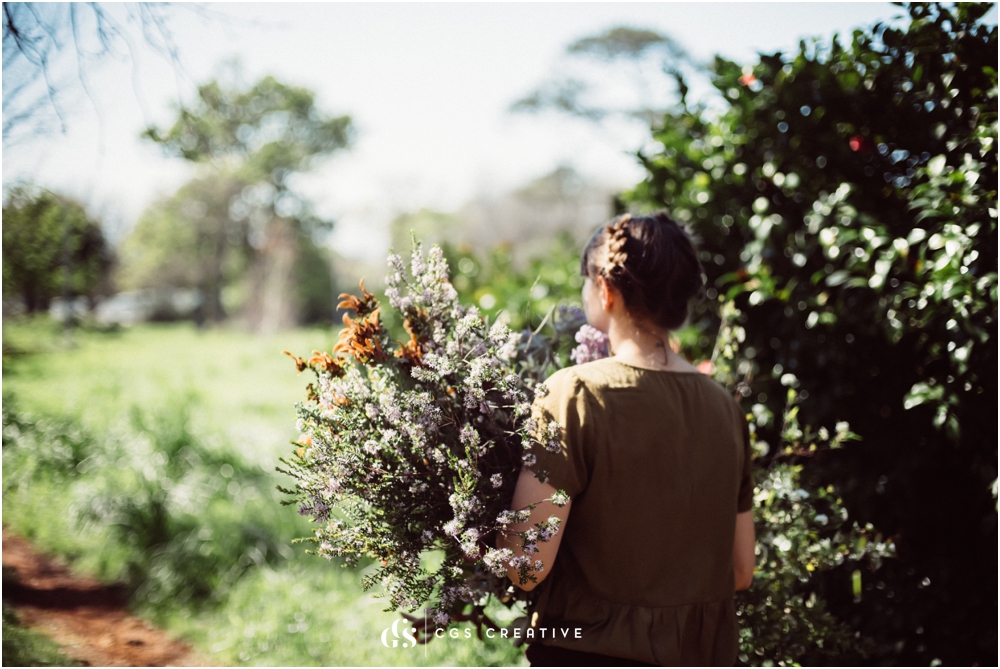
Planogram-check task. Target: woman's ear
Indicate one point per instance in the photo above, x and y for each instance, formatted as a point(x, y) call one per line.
point(607, 295)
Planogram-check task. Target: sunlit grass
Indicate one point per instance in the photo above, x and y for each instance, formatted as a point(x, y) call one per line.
point(242, 386)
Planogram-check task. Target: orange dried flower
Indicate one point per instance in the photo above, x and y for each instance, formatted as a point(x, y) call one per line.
point(300, 364)
point(362, 306)
point(360, 338)
point(324, 361)
point(411, 351)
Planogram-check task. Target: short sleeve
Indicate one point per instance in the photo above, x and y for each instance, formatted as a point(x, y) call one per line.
point(744, 501)
point(563, 432)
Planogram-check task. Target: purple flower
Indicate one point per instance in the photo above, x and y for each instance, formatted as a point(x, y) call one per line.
point(593, 345)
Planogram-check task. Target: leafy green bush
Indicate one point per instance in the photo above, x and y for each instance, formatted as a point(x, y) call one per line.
point(493, 283)
point(846, 201)
point(803, 530)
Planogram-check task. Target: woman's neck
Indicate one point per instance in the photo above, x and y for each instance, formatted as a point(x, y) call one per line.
point(643, 346)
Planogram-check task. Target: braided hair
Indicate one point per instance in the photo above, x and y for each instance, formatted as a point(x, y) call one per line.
point(651, 261)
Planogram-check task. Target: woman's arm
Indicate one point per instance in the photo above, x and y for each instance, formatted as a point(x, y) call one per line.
point(530, 490)
point(744, 558)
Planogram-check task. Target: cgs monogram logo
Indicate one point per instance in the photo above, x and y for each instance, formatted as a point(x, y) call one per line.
point(408, 634)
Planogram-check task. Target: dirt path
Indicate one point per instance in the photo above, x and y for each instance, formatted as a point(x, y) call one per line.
point(89, 620)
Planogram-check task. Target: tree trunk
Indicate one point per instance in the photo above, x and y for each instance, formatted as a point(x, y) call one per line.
point(272, 304)
point(212, 287)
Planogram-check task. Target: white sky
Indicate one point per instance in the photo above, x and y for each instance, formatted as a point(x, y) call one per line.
point(428, 87)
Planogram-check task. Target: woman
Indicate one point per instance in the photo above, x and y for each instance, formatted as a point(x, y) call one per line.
point(655, 457)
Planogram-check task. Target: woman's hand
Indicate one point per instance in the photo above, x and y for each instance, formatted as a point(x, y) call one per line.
point(744, 558)
point(530, 490)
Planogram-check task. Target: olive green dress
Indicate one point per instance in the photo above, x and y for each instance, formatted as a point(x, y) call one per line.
point(657, 465)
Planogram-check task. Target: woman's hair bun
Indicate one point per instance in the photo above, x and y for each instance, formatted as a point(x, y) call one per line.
point(651, 261)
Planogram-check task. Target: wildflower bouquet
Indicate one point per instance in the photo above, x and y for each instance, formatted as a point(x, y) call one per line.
point(416, 447)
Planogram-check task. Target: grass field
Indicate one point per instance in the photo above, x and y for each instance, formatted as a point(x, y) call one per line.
point(146, 456)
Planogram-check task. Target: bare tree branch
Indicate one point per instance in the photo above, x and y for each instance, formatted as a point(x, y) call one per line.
point(36, 38)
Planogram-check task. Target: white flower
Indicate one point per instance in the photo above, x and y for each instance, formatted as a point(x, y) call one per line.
point(496, 560)
point(499, 333)
point(560, 498)
point(520, 561)
point(468, 435)
point(509, 350)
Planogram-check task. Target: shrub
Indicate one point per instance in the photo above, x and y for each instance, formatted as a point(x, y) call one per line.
point(846, 201)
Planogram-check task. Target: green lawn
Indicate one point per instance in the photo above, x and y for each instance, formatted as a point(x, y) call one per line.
point(146, 455)
point(241, 385)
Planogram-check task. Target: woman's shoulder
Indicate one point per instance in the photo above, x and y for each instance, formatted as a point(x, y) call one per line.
point(593, 376)
point(721, 399)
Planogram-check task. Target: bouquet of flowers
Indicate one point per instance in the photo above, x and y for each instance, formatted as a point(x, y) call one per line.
point(417, 446)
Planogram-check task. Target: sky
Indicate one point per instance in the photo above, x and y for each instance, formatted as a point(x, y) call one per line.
point(428, 86)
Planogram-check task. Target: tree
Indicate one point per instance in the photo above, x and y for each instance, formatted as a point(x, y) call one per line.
point(50, 247)
point(846, 200)
point(261, 136)
point(190, 240)
point(630, 66)
point(266, 133)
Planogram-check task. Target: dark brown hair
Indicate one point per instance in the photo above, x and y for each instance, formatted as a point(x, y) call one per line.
point(651, 261)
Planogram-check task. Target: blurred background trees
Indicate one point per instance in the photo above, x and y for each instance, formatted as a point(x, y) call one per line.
point(51, 248)
point(846, 200)
point(189, 241)
point(247, 227)
point(627, 82)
